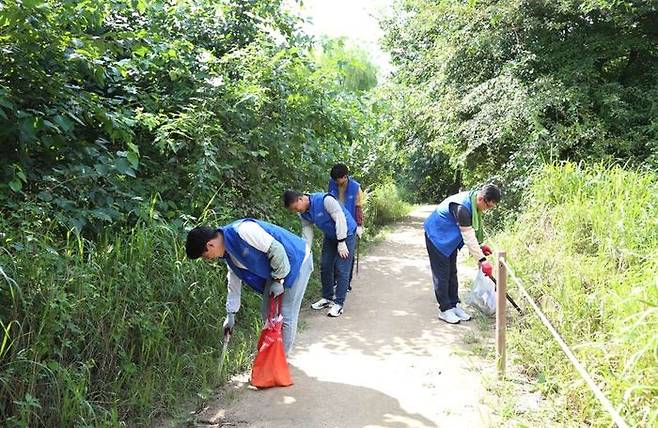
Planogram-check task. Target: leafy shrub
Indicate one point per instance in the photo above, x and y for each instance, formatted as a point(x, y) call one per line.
point(384, 204)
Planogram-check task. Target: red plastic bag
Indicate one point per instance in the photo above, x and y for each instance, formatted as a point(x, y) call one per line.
point(270, 366)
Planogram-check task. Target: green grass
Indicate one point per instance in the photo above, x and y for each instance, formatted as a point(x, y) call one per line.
point(99, 333)
point(587, 247)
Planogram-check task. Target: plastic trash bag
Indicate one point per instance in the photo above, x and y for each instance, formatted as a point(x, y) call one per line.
point(270, 366)
point(483, 294)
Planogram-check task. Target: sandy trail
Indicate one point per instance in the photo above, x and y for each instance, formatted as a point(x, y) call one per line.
point(387, 362)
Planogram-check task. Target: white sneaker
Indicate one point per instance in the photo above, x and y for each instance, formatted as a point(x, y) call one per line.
point(461, 313)
point(335, 311)
point(321, 304)
point(449, 316)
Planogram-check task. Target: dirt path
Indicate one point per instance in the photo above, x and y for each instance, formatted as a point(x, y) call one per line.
point(387, 362)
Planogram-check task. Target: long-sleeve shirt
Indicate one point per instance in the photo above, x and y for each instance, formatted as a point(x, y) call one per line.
point(335, 210)
point(358, 215)
point(258, 238)
point(463, 217)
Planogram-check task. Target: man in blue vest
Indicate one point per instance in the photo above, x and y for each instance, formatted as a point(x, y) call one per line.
point(457, 221)
point(269, 259)
point(339, 228)
point(348, 192)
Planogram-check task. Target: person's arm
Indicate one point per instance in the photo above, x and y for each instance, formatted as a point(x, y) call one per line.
point(471, 242)
point(359, 208)
point(307, 231)
point(463, 218)
point(279, 261)
point(335, 210)
point(234, 291)
point(258, 238)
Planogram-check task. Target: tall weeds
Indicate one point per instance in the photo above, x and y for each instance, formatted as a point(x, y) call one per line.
point(96, 333)
point(587, 246)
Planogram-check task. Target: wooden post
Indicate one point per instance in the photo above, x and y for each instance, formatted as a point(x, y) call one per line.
point(501, 305)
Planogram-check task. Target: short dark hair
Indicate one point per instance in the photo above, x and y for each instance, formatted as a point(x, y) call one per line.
point(197, 239)
point(290, 197)
point(490, 193)
point(338, 171)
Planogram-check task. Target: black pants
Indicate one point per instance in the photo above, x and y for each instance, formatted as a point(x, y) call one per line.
point(444, 276)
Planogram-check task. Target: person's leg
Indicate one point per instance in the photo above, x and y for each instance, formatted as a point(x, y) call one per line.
point(327, 265)
point(292, 302)
point(453, 285)
point(440, 275)
point(343, 266)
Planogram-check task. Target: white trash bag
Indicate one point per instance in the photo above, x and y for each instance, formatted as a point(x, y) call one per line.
point(483, 294)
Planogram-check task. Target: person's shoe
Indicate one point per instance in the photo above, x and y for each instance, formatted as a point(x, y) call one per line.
point(449, 316)
point(335, 311)
point(461, 313)
point(321, 304)
point(349, 288)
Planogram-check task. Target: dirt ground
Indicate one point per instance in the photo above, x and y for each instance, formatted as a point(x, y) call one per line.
point(387, 362)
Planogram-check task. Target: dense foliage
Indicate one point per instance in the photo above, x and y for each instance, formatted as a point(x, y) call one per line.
point(502, 86)
point(104, 104)
point(587, 247)
point(121, 124)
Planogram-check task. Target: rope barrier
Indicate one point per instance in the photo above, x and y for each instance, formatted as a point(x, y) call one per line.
point(607, 405)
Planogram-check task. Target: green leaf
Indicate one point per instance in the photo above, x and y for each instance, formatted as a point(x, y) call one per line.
point(21, 175)
point(102, 215)
point(52, 126)
point(141, 6)
point(133, 158)
point(6, 103)
point(123, 166)
point(28, 128)
point(15, 185)
point(65, 124)
point(101, 169)
point(133, 147)
point(141, 51)
point(45, 196)
point(76, 118)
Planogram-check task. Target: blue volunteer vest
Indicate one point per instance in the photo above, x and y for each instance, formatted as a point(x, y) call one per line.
point(442, 227)
point(351, 194)
point(258, 270)
point(318, 215)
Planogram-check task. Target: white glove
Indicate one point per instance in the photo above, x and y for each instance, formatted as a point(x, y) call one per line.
point(359, 231)
point(343, 252)
point(229, 323)
point(276, 288)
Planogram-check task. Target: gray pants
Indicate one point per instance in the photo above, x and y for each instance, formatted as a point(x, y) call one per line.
point(291, 303)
